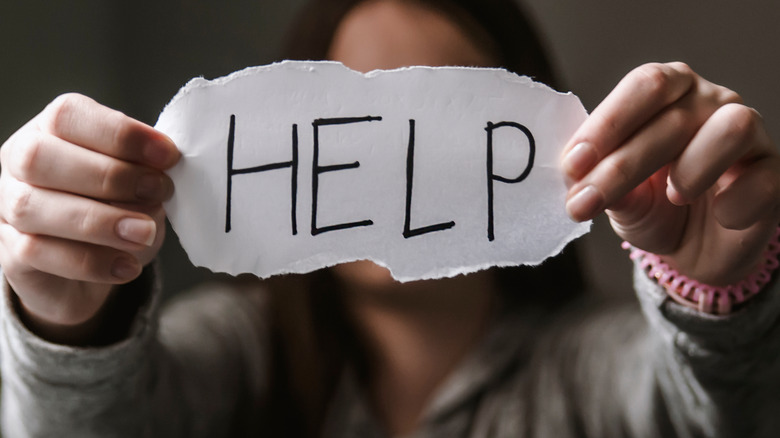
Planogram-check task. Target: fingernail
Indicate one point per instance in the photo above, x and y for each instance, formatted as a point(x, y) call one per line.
point(580, 159)
point(160, 152)
point(125, 268)
point(150, 187)
point(135, 230)
point(586, 204)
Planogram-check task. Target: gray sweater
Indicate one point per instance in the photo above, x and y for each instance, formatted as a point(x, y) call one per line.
point(200, 369)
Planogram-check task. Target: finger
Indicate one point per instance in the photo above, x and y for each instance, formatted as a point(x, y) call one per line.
point(82, 121)
point(653, 147)
point(30, 210)
point(47, 161)
point(68, 259)
point(734, 132)
point(752, 197)
point(637, 98)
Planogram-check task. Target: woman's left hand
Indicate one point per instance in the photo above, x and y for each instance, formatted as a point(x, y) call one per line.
point(682, 168)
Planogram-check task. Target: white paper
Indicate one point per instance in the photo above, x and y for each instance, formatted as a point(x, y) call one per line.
point(451, 109)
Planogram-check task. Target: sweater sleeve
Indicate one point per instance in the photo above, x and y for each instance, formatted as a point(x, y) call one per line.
point(198, 371)
point(719, 375)
point(674, 373)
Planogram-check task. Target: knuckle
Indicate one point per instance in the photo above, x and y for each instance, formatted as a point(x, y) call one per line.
point(59, 114)
point(682, 67)
point(27, 249)
point(18, 205)
point(88, 264)
point(618, 170)
point(610, 121)
point(122, 134)
point(25, 157)
point(109, 178)
point(653, 77)
point(743, 123)
point(89, 223)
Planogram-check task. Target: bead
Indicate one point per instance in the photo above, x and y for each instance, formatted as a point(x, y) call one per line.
point(707, 298)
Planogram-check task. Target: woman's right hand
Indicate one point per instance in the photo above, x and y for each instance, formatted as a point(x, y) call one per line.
point(81, 194)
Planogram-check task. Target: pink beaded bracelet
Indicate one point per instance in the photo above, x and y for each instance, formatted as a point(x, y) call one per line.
point(704, 297)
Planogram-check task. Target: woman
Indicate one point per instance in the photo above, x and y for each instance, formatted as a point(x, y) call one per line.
point(445, 358)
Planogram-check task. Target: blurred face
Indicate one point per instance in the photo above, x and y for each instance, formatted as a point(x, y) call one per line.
point(388, 34)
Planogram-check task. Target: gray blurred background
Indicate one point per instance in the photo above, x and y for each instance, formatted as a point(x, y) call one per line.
point(134, 56)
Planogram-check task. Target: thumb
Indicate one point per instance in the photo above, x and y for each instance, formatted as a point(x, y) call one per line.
point(646, 219)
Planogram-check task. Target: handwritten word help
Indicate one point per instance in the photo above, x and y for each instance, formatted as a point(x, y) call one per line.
point(431, 172)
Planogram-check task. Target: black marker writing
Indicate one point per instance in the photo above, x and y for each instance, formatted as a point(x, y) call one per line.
point(493, 177)
point(408, 232)
point(317, 170)
point(293, 164)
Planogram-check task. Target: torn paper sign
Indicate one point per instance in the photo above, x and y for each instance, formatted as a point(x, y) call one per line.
point(430, 172)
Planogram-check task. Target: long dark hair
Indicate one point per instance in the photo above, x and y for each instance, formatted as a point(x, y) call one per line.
point(312, 337)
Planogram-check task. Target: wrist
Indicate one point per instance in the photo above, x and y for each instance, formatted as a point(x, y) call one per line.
point(108, 324)
point(704, 297)
point(70, 331)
